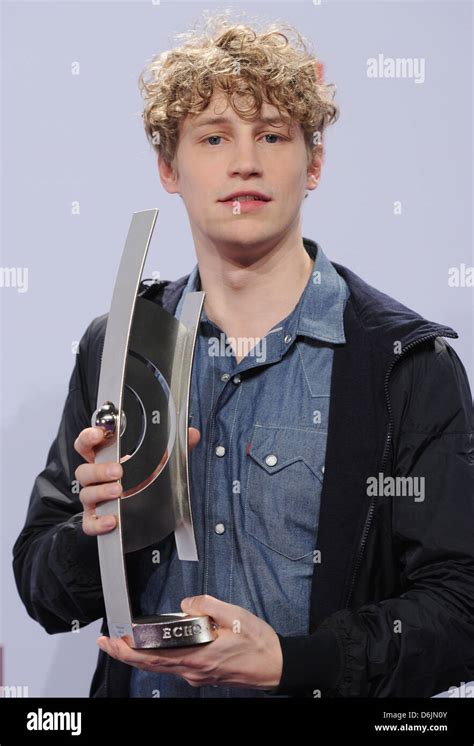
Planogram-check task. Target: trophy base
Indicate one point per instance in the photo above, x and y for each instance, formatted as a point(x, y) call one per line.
point(176, 630)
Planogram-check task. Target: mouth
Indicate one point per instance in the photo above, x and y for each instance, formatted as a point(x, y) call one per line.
point(247, 201)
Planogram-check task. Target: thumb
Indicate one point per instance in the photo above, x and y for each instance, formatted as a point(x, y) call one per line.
point(223, 613)
point(194, 436)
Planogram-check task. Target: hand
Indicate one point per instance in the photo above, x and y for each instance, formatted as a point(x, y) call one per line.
point(246, 653)
point(99, 481)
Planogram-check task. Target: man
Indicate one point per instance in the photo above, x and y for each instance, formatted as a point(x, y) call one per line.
point(331, 469)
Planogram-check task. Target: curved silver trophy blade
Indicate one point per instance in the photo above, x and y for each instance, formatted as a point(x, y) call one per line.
point(146, 364)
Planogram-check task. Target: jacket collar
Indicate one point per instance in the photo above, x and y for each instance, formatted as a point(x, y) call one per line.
point(384, 318)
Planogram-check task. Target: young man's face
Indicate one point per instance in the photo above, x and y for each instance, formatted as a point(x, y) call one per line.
point(216, 159)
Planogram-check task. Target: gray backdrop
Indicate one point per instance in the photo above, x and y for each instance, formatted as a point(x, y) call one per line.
point(73, 143)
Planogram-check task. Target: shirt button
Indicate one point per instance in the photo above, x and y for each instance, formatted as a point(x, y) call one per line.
point(219, 528)
point(287, 338)
point(322, 469)
point(236, 379)
point(271, 460)
point(220, 451)
point(225, 377)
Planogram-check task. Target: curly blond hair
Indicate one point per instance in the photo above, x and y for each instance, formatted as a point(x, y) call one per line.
point(273, 65)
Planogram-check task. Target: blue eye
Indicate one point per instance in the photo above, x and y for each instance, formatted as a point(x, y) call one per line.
point(212, 137)
point(271, 134)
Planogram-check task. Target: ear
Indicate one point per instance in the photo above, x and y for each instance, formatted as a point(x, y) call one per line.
point(314, 168)
point(168, 175)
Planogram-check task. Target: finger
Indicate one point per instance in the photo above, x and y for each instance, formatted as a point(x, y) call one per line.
point(87, 440)
point(194, 436)
point(87, 474)
point(222, 613)
point(149, 659)
point(94, 525)
point(97, 493)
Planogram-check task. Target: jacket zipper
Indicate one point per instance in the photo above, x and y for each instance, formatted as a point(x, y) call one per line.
point(371, 510)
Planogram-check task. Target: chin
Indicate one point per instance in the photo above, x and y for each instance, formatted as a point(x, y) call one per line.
point(245, 235)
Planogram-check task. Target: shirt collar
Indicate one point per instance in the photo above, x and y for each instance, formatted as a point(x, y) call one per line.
point(321, 314)
point(320, 311)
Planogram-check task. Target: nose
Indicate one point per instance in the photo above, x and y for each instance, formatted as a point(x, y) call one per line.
point(245, 159)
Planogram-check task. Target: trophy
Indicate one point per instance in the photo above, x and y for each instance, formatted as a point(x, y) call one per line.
point(142, 404)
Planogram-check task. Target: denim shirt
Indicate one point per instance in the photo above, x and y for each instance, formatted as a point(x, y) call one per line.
point(256, 474)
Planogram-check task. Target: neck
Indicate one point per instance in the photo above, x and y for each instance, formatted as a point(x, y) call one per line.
point(248, 299)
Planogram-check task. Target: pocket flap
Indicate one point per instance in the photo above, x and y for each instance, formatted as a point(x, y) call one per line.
point(273, 448)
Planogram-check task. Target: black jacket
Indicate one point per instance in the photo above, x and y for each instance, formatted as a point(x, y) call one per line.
point(392, 604)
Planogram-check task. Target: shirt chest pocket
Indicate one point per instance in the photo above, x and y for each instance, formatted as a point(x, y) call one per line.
point(283, 489)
